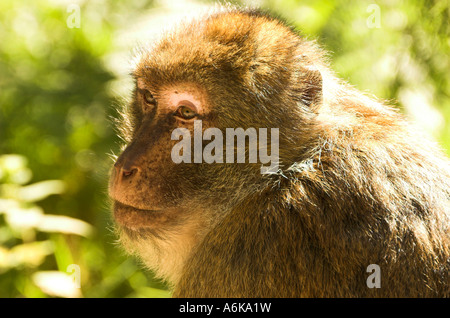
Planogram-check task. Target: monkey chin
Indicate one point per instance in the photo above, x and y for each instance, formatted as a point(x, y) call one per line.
point(145, 233)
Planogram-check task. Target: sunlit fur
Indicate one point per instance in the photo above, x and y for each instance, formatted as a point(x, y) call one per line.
point(357, 184)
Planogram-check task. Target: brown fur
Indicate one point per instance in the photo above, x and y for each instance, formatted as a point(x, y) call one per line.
point(357, 184)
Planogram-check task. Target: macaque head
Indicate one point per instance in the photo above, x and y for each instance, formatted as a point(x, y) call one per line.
point(229, 70)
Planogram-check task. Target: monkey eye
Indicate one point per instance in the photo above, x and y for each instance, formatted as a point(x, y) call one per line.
point(185, 112)
point(148, 98)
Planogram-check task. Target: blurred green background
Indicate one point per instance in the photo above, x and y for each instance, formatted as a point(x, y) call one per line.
point(63, 72)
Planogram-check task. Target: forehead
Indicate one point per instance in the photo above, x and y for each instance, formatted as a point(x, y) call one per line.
point(176, 94)
point(222, 45)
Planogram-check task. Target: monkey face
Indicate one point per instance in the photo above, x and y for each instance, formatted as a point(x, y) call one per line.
point(225, 77)
point(147, 186)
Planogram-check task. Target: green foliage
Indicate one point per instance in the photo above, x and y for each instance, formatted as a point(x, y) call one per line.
point(55, 105)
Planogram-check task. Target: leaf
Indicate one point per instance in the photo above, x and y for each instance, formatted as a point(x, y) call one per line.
point(41, 190)
point(55, 283)
point(29, 254)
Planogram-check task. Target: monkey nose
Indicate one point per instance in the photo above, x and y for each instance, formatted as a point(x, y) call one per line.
point(125, 171)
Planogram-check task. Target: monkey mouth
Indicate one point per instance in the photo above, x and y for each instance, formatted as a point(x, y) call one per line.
point(126, 206)
point(135, 218)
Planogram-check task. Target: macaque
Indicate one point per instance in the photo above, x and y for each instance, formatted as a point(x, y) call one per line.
point(353, 191)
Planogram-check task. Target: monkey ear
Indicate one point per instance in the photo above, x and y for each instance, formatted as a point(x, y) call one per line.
point(311, 86)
